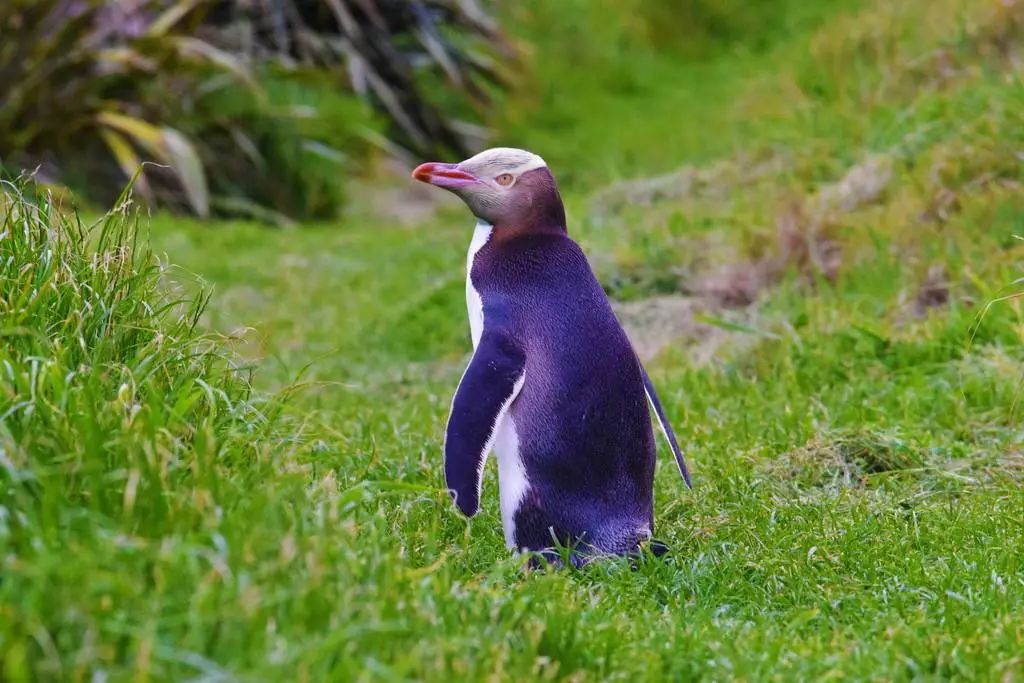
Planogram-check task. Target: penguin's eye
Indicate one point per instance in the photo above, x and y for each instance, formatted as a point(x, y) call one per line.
point(505, 179)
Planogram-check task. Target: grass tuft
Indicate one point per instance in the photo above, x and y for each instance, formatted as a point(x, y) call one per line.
point(121, 427)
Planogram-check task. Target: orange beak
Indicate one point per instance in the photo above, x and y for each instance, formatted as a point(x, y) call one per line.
point(448, 176)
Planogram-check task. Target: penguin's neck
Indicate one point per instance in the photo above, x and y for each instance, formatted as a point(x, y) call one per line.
point(481, 235)
point(547, 217)
point(474, 304)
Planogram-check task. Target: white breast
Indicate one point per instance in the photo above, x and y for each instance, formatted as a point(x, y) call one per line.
point(474, 304)
point(512, 481)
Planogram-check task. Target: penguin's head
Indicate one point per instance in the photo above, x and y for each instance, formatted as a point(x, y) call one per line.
point(503, 186)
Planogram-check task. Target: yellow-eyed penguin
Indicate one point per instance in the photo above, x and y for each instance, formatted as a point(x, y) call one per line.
point(554, 386)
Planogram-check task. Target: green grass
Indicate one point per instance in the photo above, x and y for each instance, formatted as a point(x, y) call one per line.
point(858, 461)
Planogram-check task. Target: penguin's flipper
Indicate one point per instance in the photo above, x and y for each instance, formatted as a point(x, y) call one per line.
point(666, 428)
point(490, 384)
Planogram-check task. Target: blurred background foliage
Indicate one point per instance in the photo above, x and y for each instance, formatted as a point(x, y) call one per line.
point(253, 107)
point(267, 108)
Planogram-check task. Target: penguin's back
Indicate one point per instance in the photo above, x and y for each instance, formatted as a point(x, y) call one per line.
point(581, 419)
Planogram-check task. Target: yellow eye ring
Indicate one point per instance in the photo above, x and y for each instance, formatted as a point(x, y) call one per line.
point(505, 179)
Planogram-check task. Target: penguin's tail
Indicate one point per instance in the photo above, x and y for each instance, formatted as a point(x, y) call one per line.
point(666, 428)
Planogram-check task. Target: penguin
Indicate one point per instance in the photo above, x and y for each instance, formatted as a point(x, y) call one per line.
point(554, 386)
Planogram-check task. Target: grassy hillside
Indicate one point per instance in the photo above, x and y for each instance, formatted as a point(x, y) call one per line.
point(802, 237)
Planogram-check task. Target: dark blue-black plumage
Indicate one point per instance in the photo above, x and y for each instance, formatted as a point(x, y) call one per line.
point(554, 366)
point(581, 417)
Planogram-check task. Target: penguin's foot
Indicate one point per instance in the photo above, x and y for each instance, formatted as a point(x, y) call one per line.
point(558, 558)
point(658, 548)
point(653, 548)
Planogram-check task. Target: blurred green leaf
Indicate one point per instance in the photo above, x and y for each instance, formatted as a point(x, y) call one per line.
point(127, 159)
point(183, 158)
point(170, 147)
